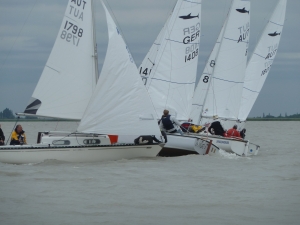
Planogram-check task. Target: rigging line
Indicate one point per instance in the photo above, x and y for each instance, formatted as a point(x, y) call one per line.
point(258, 34)
point(170, 72)
point(119, 28)
point(12, 129)
point(25, 21)
point(159, 55)
point(151, 62)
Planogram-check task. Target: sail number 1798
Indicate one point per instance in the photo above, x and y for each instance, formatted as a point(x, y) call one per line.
point(71, 32)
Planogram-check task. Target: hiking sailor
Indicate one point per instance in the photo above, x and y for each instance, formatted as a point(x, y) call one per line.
point(169, 124)
point(216, 127)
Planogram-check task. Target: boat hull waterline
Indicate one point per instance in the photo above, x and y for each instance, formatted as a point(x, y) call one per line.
point(232, 145)
point(179, 145)
point(75, 154)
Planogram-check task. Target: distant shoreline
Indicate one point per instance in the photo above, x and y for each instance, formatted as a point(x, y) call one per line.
point(53, 120)
point(273, 119)
point(36, 120)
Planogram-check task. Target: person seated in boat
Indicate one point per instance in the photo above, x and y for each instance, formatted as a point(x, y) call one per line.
point(216, 127)
point(169, 124)
point(185, 126)
point(243, 133)
point(18, 136)
point(146, 140)
point(233, 132)
point(192, 128)
point(2, 137)
point(196, 128)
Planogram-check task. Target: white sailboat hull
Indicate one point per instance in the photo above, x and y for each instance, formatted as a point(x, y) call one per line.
point(75, 154)
point(179, 145)
point(238, 146)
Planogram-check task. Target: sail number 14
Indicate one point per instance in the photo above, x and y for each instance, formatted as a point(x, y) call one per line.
point(71, 32)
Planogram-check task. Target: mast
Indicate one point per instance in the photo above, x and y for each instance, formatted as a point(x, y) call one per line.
point(95, 56)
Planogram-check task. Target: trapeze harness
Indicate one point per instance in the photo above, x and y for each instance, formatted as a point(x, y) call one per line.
point(168, 124)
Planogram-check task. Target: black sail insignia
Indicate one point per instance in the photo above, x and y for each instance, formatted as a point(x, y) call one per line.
point(33, 106)
point(188, 17)
point(243, 10)
point(274, 34)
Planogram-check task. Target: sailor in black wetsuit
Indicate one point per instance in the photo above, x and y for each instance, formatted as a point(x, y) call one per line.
point(146, 140)
point(169, 124)
point(216, 127)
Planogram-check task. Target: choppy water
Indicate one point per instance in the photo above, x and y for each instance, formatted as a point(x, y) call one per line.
point(224, 189)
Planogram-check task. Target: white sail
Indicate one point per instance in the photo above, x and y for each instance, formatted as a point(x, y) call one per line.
point(69, 76)
point(225, 88)
point(120, 104)
point(151, 57)
point(262, 59)
point(203, 84)
point(172, 80)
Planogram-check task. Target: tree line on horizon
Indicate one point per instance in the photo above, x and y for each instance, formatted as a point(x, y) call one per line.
point(8, 114)
point(297, 115)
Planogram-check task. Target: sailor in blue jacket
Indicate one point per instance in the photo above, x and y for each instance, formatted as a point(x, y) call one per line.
point(169, 124)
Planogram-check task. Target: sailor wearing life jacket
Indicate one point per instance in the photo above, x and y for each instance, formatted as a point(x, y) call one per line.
point(18, 136)
point(169, 124)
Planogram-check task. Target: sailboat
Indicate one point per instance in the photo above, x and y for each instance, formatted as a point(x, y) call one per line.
point(262, 59)
point(108, 110)
point(169, 73)
point(219, 90)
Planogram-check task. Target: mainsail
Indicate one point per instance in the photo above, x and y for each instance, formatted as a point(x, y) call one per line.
point(120, 104)
point(225, 85)
point(262, 59)
point(69, 77)
point(170, 75)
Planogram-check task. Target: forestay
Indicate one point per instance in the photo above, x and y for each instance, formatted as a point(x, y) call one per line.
point(120, 104)
point(262, 59)
point(171, 80)
point(69, 77)
point(151, 58)
point(225, 88)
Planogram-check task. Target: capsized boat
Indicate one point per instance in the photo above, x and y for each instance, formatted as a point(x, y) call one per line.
point(111, 109)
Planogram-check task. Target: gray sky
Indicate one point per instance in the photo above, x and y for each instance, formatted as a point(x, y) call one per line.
point(28, 30)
